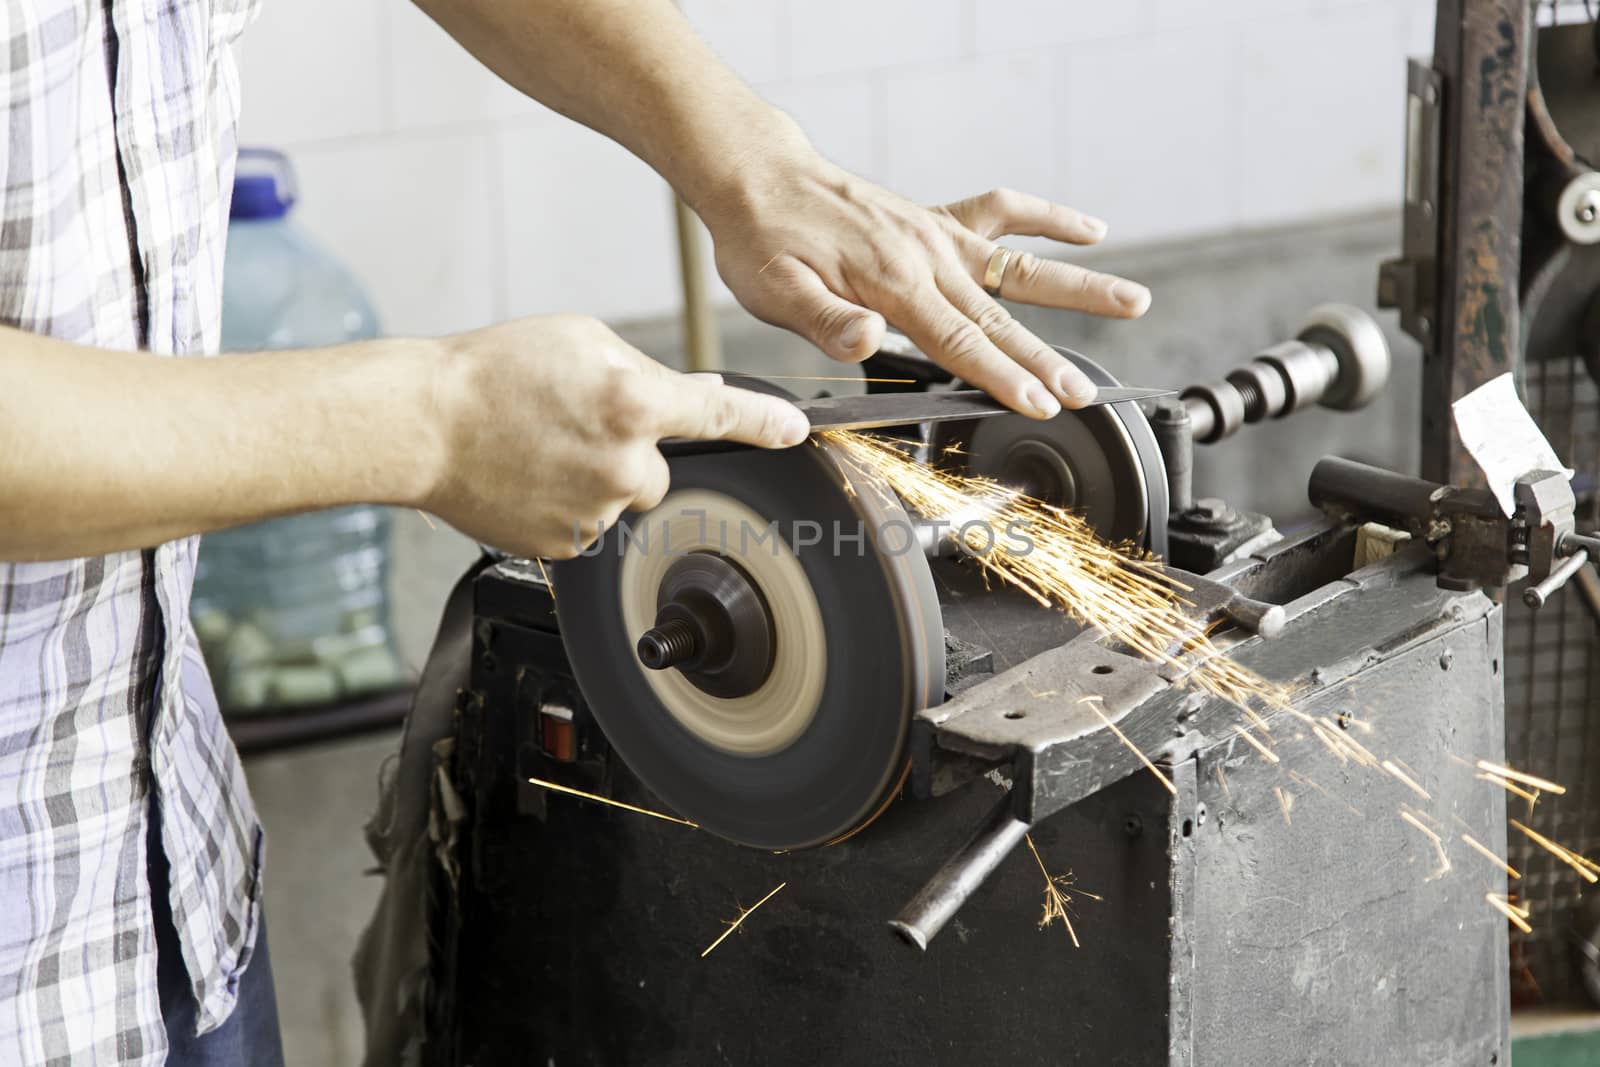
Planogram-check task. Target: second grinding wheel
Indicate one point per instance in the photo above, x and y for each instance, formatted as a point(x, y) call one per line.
point(1101, 462)
point(756, 646)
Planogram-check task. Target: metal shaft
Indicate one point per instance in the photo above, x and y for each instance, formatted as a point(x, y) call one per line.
point(1371, 492)
point(961, 875)
point(1174, 428)
point(668, 645)
point(1339, 360)
point(1535, 596)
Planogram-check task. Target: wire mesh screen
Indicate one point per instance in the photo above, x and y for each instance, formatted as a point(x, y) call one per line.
point(1552, 677)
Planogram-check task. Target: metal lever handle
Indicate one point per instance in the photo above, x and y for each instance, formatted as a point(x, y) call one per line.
point(961, 875)
point(1535, 596)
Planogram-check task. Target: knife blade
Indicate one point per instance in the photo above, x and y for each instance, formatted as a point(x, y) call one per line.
point(877, 410)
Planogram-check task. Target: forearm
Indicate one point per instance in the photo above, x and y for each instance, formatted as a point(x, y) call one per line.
point(104, 451)
point(636, 71)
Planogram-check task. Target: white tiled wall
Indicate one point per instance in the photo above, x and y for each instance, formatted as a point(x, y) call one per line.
point(460, 202)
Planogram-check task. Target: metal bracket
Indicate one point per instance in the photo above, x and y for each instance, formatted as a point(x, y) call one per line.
point(1410, 283)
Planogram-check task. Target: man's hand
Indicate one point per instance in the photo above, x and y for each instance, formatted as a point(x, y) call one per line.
point(525, 436)
point(552, 425)
point(801, 242)
point(831, 256)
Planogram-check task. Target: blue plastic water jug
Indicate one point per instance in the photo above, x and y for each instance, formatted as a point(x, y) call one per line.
point(294, 611)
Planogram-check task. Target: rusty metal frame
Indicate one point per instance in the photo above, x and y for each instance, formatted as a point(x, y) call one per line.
point(1481, 58)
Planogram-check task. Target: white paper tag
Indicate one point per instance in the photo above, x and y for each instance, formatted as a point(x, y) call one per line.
point(1502, 437)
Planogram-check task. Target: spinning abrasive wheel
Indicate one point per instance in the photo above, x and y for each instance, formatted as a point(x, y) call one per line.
point(756, 646)
point(1102, 463)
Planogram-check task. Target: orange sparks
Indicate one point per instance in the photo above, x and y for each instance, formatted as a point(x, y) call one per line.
point(1267, 753)
point(1093, 702)
point(567, 789)
point(427, 519)
point(1585, 861)
point(1565, 855)
point(1409, 782)
point(1329, 741)
point(743, 915)
point(1541, 784)
point(1438, 845)
point(1063, 564)
point(1518, 916)
point(1509, 787)
point(1489, 855)
point(1309, 784)
point(1354, 747)
point(1285, 802)
point(1057, 899)
point(1222, 780)
point(1255, 720)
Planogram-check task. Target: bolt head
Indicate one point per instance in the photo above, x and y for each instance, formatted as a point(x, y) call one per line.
point(1210, 508)
point(1587, 208)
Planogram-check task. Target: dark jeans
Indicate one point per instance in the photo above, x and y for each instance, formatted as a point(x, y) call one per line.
point(249, 1037)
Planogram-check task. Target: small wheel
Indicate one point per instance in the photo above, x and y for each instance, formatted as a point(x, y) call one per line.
point(1101, 462)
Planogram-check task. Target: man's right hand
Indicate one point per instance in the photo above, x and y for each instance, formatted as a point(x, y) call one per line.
point(550, 426)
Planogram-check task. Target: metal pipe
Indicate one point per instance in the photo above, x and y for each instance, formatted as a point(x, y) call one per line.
point(1257, 616)
point(702, 342)
point(1371, 492)
point(1572, 542)
point(1174, 428)
point(923, 918)
point(1535, 596)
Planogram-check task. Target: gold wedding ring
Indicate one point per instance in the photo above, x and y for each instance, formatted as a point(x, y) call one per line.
point(995, 273)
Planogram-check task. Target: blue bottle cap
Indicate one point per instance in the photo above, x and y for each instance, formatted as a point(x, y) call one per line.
point(263, 185)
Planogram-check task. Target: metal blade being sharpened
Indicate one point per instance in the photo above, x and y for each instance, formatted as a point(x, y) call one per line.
point(902, 409)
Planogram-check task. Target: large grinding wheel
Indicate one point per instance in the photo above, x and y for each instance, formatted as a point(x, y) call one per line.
point(1101, 462)
point(784, 670)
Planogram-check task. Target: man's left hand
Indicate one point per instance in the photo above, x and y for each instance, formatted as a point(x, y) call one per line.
point(832, 256)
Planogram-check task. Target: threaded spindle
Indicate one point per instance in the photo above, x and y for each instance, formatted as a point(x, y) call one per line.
point(668, 645)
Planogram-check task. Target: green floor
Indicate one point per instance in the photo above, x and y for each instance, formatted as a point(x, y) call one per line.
point(1557, 1050)
point(1573, 1041)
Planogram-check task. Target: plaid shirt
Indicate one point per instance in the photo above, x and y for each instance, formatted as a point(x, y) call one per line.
point(117, 164)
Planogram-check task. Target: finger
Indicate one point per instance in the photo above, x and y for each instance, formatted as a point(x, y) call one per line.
point(1064, 380)
point(1006, 211)
point(1031, 279)
point(654, 485)
point(688, 408)
point(957, 343)
point(796, 299)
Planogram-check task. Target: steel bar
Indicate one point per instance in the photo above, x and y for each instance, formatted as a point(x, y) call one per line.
point(961, 875)
point(1536, 596)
